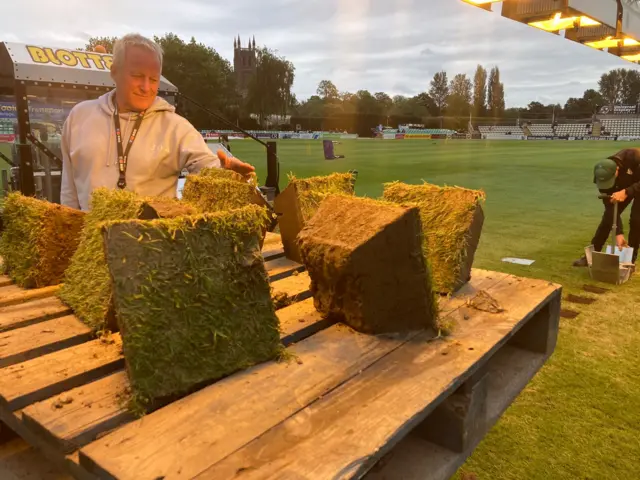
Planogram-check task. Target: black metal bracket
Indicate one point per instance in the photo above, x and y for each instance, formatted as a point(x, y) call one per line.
point(43, 148)
point(273, 164)
point(7, 159)
point(619, 18)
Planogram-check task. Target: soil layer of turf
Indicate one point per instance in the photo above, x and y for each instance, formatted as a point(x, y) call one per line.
point(38, 240)
point(366, 267)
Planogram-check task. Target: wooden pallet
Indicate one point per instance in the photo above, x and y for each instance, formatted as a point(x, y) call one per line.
point(334, 411)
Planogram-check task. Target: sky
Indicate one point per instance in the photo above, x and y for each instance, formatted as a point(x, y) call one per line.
point(393, 46)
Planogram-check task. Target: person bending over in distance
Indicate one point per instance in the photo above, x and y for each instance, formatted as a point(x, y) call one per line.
point(130, 138)
point(619, 177)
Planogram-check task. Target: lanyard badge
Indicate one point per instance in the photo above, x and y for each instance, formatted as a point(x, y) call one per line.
point(123, 155)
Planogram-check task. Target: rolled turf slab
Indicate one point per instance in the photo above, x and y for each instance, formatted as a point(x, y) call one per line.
point(87, 285)
point(452, 220)
point(297, 204)
point(192, 298)
point(365, 261)
point(38, 240)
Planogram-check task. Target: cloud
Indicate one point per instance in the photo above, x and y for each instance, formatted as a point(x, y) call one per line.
point(394, 46)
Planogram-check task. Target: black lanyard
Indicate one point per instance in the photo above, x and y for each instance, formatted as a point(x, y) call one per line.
point(123, 156)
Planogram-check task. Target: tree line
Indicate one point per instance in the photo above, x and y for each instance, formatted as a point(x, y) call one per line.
point(201, 73)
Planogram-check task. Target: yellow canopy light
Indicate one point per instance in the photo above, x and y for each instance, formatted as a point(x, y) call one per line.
point(481, 2)
point(612, 42)
point(632, 58)
point(558, 23)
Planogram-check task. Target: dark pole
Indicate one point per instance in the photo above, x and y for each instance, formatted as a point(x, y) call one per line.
point(27, 184)
point(273, 167)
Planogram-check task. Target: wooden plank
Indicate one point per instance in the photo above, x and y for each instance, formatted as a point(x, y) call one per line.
point(23, 344)
point(95, 408)
point(346, 432)
point(275, 401)
point(301, 320)
point(9, 289)
point(42, 377)
point(100, 410)
point(414, 458)
point(282, 267)
point(180, 440)
point(21, 315)
point(28, 295)
point(295, 286)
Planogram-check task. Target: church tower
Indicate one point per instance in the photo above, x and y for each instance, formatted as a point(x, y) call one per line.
point(244, 63)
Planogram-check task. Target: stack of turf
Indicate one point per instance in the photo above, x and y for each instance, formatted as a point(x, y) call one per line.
point(87, 286)
point(452, 220)
point(192, 299)
point(297, 204)
point(38, 240)
point(365, 261)
point(226, 174)
point(217, 189)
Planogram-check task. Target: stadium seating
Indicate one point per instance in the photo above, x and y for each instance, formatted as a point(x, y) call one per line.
point(628, 127)
point(429, 131)
point(500, 130)
point(541, 130)
point(573, 130)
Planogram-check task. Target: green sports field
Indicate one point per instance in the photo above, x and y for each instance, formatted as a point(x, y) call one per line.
point(580, 416)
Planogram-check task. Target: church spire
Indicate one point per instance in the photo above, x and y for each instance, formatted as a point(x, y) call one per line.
point(254, 42)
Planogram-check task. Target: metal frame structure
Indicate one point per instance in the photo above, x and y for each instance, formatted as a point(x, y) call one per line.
point(612, 26)
point(25, 68)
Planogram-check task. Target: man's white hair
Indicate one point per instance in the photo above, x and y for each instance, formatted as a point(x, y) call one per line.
point(134, 40)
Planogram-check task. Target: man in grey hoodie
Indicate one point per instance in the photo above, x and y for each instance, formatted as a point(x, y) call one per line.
point(130, 138)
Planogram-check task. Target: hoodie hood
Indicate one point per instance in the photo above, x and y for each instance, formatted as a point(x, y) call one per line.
point(158, 105)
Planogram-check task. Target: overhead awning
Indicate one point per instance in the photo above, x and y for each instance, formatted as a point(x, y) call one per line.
point(39, 63)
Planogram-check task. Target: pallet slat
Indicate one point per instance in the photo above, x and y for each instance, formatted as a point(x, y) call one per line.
point(96, 407)
point(22, 315)
point(48, 375)
point(99, 408)
point(23, 296)
point(345, 433)
point(166, 461)
point(33, 341)
point(212, 423)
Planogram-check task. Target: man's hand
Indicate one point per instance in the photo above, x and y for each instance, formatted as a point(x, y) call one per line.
point(619, 197)
point(621, 242)
point(232, 163)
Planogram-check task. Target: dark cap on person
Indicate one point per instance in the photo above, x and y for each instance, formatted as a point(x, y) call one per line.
point(605, 174)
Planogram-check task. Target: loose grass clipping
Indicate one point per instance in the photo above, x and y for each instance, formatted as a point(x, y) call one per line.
point(87, 286)
point(192, 300)
point(38, 240)
point(452, 220)
point(299, 202)
point(365, 261)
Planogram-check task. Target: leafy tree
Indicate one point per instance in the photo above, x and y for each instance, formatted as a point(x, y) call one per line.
point(385, 102)
point(480, 92)
point(270, 88)
point(367, 103)
point(612, 86)
point(460, 96)
point(495, 93)
point(201, 73)
point(106, 42)
point(439, 91)
point(327, 90)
